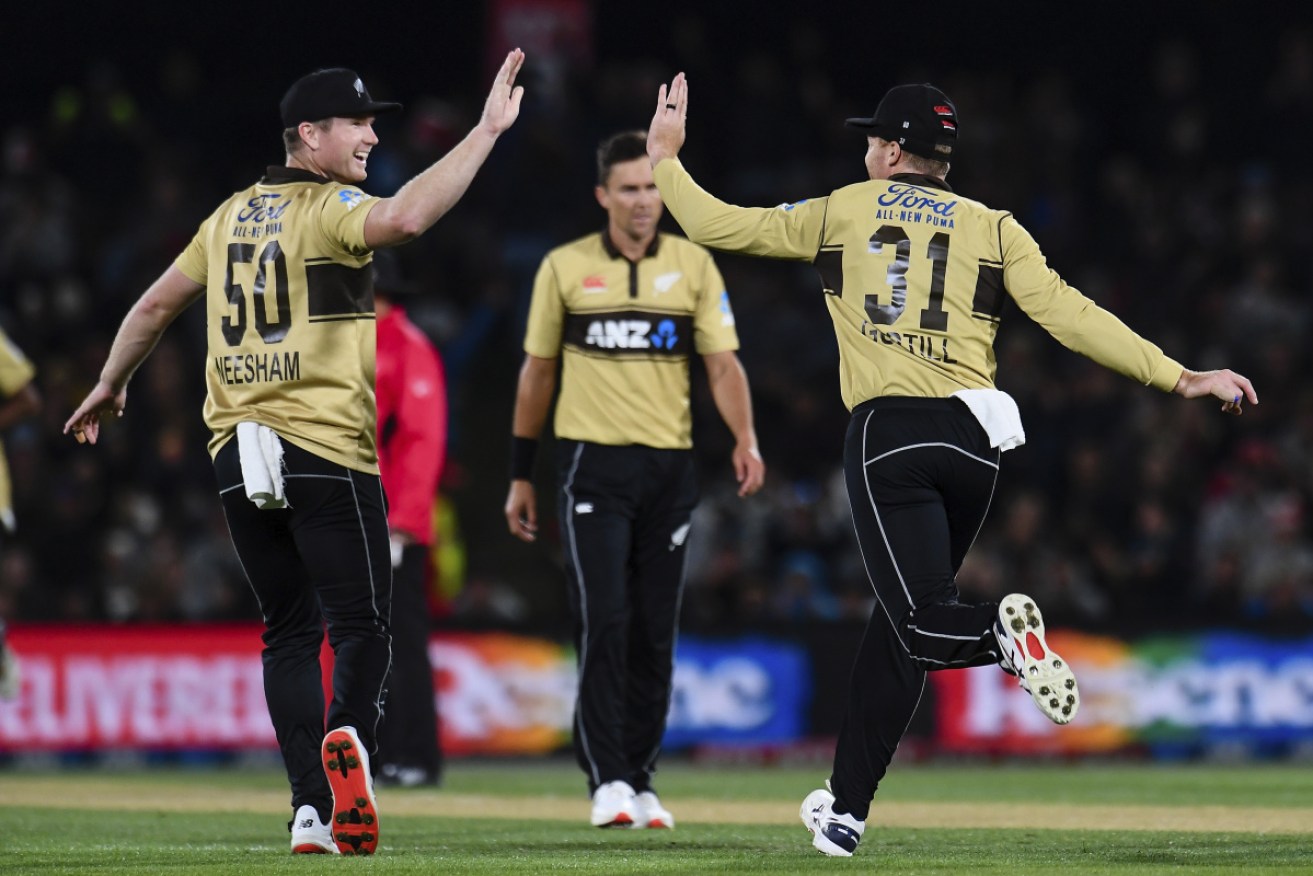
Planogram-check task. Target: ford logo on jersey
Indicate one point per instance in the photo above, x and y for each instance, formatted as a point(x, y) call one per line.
point(915, 198)
point(263, 208)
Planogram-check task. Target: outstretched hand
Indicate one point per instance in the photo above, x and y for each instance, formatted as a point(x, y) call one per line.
point(1233, 389)
point(665, 135)
point(85, 422)
point(503, 105)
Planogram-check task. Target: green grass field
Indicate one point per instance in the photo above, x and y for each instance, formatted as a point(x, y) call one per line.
point(531, 817)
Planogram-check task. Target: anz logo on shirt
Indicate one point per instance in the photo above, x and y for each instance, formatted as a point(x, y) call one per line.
point(629, 332)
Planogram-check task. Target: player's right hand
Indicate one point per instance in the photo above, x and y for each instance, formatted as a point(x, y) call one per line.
point(503, 105)
point(522, 511)
point(85, 422)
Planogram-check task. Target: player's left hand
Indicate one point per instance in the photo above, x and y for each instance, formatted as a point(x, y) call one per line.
point(665, 136)
point(1233, 389)
point(749, 469)
point(85, 422)
point(503, 105)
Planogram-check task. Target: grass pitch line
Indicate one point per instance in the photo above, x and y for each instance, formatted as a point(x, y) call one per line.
point(106, 793)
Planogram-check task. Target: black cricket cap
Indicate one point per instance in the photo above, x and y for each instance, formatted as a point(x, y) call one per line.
point(324, 94)
point(920, 118)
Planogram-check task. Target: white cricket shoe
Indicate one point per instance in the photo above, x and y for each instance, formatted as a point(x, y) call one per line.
point(833, 833)
point(310, 836)
point(650, 812)
point(1041, 671)
point(614, 805)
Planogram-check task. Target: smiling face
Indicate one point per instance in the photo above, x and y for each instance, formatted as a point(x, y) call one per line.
point(339, 151)
point(631, 200)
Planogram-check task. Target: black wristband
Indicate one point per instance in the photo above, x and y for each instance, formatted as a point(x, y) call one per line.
point(523, 451)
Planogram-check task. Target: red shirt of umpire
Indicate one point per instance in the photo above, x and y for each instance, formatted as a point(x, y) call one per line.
point(411, 394)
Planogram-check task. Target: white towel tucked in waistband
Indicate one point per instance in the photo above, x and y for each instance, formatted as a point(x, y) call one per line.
point(261, 452)
point(997, 414)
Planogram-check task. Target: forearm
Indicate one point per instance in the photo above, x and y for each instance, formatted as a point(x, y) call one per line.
point(137, 336)
point(428, 196)
point(729, 390)
point(533, 397)
point(711, 222)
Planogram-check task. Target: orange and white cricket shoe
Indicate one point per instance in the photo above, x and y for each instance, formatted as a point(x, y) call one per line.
point(650, 813)
point(355, 811)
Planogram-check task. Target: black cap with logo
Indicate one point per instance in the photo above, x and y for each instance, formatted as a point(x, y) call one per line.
point(324, 94)
point(920, 118)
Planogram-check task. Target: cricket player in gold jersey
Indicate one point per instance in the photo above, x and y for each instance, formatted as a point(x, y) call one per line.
point(915, 277)
point(623, 311)
point(284, 268)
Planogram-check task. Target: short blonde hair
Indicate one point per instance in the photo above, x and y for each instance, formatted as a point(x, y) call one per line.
point(292, 141)
point(926, 166)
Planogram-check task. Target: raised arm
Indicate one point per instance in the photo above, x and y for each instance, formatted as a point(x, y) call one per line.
point(790, 231)
point(424, 200)
point(137, 336)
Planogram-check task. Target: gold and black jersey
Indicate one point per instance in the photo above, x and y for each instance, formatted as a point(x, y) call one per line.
point(290, 310)
point(915, 278)
point(16, 372)
point(624, 331)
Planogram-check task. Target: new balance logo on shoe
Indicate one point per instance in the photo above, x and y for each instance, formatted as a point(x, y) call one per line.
point(833, 833)
point(306, 823)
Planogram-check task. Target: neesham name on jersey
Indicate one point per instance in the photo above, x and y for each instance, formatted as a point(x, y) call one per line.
point(258, 367)
point(932, 347)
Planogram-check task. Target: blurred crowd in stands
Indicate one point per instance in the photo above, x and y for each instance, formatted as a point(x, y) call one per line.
point(1181, 206)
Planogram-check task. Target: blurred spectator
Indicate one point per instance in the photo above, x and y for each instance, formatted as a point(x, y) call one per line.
point(1153, 513)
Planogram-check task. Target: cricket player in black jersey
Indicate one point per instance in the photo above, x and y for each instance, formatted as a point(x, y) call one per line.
point(285, 269)
point(915, 277)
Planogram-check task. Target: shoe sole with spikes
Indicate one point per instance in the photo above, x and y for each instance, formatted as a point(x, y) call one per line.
point(355, 811)
point(1041, 671)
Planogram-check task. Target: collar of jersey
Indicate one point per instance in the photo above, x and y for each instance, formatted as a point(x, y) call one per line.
point(276, 174)
point(920, 179)
point(614, 253)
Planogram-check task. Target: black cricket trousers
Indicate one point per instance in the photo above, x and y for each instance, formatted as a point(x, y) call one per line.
point(408, 736)
point(323, 561)
point(624, 515)
point(920, 474)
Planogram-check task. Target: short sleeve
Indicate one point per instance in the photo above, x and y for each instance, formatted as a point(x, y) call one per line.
point(343, 218)
point(542, 335)
point(713, 321)
point(193, 261)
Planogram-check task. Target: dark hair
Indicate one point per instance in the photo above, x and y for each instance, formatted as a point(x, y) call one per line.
point(292, 136)
point(618, 148)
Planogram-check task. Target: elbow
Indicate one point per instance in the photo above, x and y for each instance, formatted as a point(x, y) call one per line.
point(408, 227)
